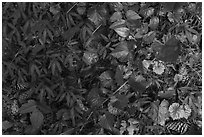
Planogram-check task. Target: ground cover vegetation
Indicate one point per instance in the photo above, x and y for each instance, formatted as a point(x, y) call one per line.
point(102, 68)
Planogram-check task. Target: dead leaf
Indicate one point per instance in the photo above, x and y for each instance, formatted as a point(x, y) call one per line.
point(163, 113)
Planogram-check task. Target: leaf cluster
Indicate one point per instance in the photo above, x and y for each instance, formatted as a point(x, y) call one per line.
point(100, 68)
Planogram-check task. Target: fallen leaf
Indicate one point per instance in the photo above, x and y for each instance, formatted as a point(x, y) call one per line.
point(158, 67)
point(178, 111)
point(90, 57)
point(163, 113)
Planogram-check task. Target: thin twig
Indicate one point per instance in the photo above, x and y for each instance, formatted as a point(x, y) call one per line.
point(72, 7)
point(96, 29)
point(85, 123)
point(117, 90)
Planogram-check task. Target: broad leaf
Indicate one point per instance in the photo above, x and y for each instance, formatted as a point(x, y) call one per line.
point(28, 107)
point(95, 17)
point(121, 102)
point(69, 34)
point(6, 125)
point(106, 121)
point(36, 119)
point(123, 31)
point(138, 83)
point(106, 79)
point(121, 51)
point(116, 16)
point(132, 15)
point(94, 97)
point(149, 38)
point(154, 109)
point(170, 51)
point(117, 24)
point(172, 6)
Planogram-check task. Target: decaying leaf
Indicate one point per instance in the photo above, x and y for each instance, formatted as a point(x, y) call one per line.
point(163, 113)
point(158, 67)
point(94, 97)
point(90, 57)
point(178, 111)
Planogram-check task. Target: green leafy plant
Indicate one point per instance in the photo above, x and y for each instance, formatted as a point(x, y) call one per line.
point(130, 68)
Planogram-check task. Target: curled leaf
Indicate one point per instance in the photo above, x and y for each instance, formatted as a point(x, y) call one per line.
point(167, 94)
point(154, 22)
point(146, 63)
point(123, 126)
point(163, 113)
point(133, 126)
